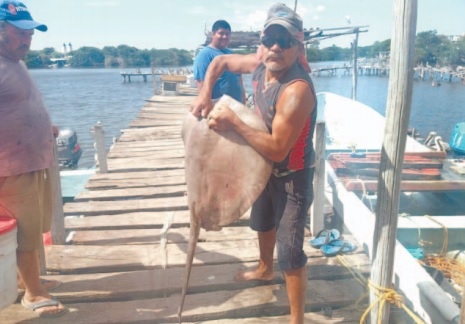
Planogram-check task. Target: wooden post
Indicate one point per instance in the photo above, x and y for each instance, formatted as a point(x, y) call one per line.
point(462, 309)
point(392, 152)
point(154, 82)
point(354, 63)
point(99, 137)
point(58, 219)
point(318, 206)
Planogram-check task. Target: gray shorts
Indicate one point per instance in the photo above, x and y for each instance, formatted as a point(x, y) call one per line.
point(284, 205)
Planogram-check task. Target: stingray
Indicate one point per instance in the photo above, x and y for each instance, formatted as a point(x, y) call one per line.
point(224, 175)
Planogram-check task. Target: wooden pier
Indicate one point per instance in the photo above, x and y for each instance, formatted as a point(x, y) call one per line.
point(144, 75)
point(116, 268)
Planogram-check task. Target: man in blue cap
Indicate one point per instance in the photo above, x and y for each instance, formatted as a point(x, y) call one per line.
point(284, 97)
point(26, 154)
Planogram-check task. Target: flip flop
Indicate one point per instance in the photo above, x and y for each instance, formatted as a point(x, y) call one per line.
point(45, 303)
point(335, 247)
point(324, 236)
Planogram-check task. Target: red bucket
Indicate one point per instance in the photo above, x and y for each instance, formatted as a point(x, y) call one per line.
point(8, 244)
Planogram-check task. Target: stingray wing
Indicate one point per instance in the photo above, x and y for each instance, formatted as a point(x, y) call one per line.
point(224, 174)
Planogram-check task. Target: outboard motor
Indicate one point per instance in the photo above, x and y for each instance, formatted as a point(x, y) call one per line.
point(68, 149)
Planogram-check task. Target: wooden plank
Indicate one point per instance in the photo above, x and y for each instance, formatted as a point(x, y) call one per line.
point(156, 110)
point(62, 259)
point(406, 185)
point(152, 123)
point(147, 153)
point(134, 220)
point(347, 315)
point(121, 183)
point(146, 192)
point(152, 145)
point(154, 115)
point(155, 132)
point(267, 300)
point(160, 282)
point(125, 206)
point(137, 175)
point(128, 164)
point(153, 236)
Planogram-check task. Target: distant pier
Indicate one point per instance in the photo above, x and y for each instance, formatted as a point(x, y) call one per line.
point(382, 69)
point(138, 73)
point(144, 75)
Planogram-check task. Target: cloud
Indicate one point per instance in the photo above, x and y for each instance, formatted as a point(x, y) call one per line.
point(102, 4)
point(198, 10)
point(320, 8)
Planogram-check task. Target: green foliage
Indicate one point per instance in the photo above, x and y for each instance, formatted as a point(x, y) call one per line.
point(37, 59)
point(431, 49)
point(87, 57)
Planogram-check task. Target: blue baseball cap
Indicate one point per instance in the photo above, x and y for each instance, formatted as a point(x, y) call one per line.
point(17, 14)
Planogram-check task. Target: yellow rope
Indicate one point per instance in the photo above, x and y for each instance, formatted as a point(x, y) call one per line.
point(445, 243)
point(452, 269)
point(384, 295)
point(391, 296)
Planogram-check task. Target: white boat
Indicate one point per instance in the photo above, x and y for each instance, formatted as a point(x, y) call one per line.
point(354, 127)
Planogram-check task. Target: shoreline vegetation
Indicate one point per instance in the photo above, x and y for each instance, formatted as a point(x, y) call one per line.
point(431, 49)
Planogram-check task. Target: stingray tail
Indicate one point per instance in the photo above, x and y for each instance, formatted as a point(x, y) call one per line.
point(193, 238)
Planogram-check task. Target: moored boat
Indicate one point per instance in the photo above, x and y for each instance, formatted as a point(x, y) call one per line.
point(355, 133)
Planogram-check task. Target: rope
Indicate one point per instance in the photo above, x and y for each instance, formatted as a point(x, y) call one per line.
point(445, 243)
point(451, 269)
point(421, 242)
point(391, 296)
point(365, 193)
point(384, 295)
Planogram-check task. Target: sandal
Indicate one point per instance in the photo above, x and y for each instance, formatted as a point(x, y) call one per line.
point(335, 247)
point(44, 303)
point(323, 237)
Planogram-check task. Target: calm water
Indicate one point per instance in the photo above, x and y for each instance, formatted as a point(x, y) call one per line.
point(80, 98)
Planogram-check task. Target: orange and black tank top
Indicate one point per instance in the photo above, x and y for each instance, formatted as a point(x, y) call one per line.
point(302, 154)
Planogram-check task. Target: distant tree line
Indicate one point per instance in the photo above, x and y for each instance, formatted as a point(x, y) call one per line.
point(121, 56)
point(431, 48)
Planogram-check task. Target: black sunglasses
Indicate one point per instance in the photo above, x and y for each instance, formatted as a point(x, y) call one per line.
point(284, 43)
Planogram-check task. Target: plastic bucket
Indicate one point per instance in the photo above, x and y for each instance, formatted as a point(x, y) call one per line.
point(8, 244)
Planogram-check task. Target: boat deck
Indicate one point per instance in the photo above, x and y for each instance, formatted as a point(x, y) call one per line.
point(116, 268)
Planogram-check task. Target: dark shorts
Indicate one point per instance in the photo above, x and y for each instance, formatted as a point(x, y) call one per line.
point(284, 205)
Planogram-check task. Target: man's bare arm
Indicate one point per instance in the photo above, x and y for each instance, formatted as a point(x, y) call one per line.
point(236, 63)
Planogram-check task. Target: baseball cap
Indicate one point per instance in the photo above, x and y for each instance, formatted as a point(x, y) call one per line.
point(17, 14)
point(280, 14)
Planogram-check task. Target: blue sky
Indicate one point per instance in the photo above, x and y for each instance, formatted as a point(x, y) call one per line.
point(163, 24)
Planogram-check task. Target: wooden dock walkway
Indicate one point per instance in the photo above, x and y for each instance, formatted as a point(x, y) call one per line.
point(116, 269)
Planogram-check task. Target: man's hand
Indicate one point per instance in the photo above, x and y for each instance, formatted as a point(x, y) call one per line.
point(222, 118)
point(201, 106)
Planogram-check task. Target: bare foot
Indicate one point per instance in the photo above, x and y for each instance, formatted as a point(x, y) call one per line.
point(257, 274)
point(47, 284)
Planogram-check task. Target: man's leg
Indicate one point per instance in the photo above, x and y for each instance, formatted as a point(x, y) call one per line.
point(264, 270)
point(29, 270)
point(296, 287)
